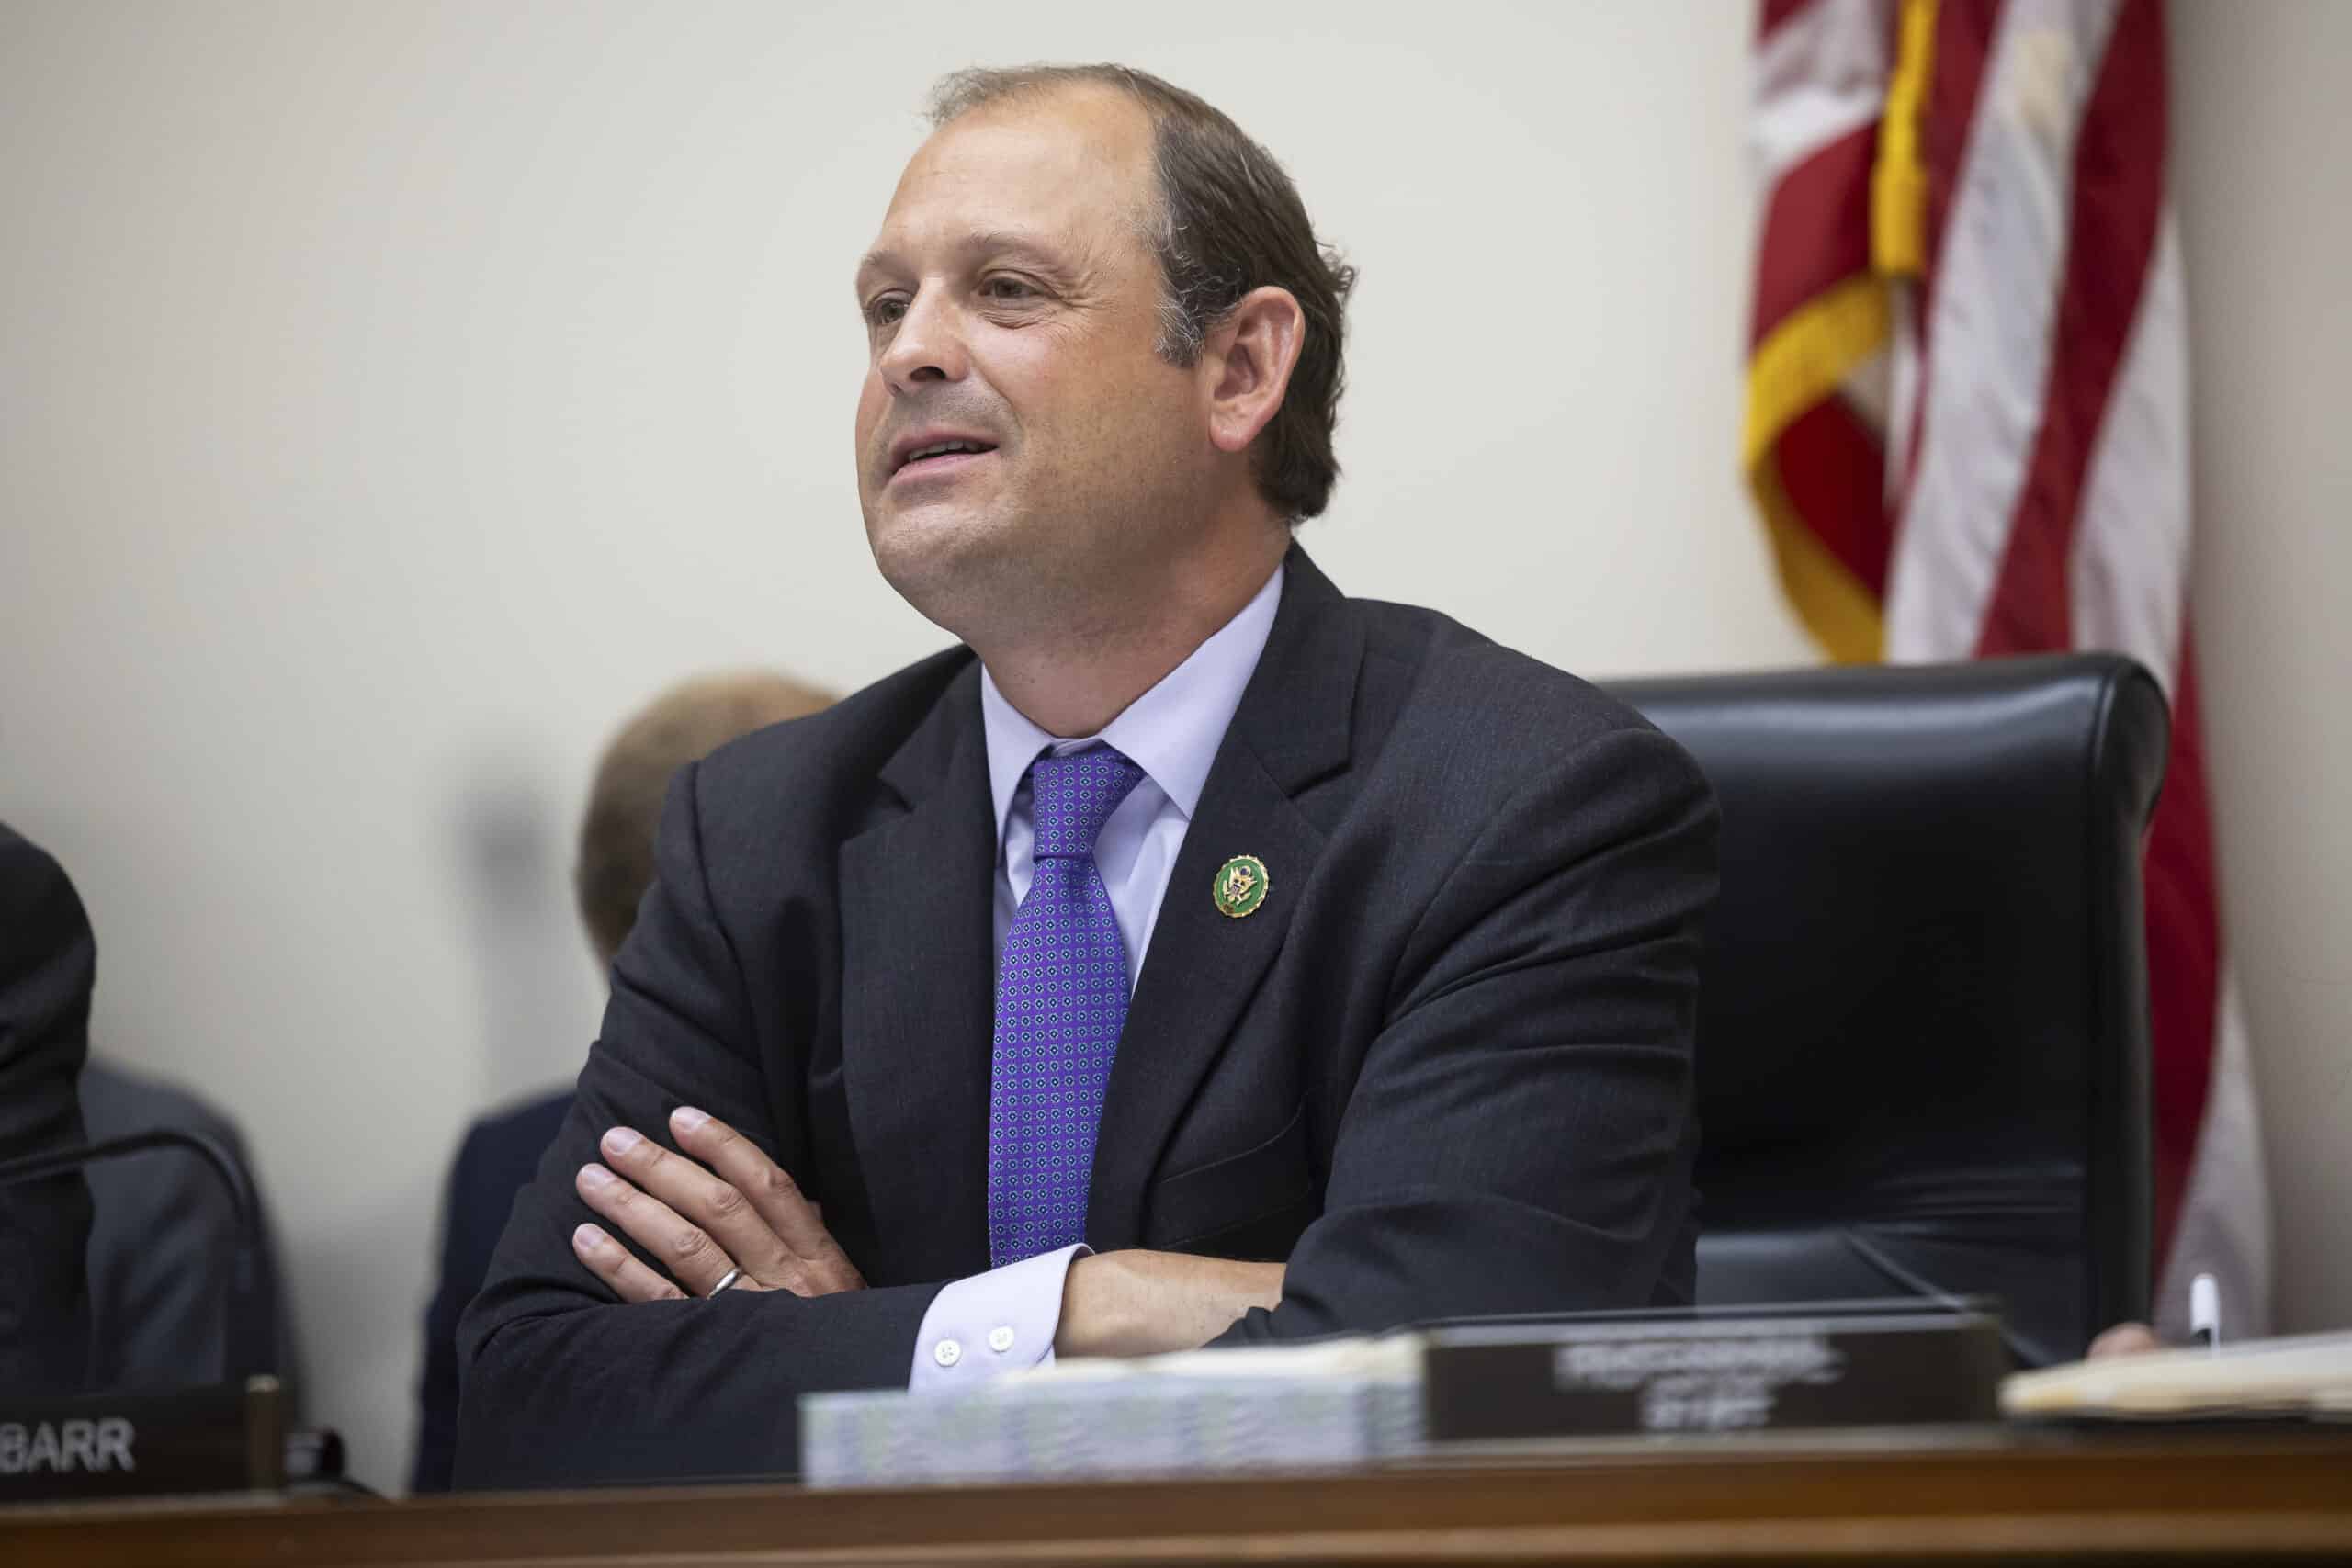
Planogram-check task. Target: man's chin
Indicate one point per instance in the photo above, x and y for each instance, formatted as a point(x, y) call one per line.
point(937, 557)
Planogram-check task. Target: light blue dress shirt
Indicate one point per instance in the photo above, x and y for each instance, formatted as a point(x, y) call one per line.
point(1007, 1317)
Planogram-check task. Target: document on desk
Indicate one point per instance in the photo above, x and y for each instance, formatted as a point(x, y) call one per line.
point(2306, 1376)
point(1332, 1402)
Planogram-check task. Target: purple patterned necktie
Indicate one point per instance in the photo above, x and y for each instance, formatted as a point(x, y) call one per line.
point(1061, 996)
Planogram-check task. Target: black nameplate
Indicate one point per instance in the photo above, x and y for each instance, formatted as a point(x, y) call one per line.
point(223, 1438)
point(1712, 1373)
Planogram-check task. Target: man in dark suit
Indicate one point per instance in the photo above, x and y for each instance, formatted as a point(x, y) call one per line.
point(48, 964)
point(1194, 955)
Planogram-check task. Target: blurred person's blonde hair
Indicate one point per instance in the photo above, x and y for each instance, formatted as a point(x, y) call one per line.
point(683, 725)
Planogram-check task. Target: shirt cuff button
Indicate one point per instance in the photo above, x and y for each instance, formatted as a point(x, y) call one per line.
point(948, 1352)
point(1000, 1340)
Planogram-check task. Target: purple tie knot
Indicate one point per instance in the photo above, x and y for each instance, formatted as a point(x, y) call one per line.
point(1073, 797)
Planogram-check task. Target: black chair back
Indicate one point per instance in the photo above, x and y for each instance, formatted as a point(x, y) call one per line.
point(1923, 1035)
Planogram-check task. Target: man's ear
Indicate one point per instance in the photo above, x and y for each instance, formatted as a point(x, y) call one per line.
point(1245, 365)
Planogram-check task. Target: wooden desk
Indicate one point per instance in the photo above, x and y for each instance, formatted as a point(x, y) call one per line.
point(2219, 1497)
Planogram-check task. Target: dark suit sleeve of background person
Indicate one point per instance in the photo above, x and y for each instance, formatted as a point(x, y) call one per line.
point(563, 1385)
point(495, 1161)
point(1521, 1130)
point(48, 964)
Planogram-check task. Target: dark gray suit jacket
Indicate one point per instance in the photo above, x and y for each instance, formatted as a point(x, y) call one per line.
point(163, 1243)
point(1444, 1070)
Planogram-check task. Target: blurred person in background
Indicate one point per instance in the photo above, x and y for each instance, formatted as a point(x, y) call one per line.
point(48, 964)
point(501, 1151)
point(116, 1277)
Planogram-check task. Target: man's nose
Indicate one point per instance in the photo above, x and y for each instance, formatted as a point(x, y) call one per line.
point(926, 345)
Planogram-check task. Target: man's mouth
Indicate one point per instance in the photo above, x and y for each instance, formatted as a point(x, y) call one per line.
point(939, 456)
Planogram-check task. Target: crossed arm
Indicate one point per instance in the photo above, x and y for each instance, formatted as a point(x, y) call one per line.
point(564, 1384)
point(731, 1210)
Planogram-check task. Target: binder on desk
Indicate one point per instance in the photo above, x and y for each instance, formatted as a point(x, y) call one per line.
point(1323, 1405)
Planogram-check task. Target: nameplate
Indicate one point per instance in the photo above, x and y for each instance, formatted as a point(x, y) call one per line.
point(1657, 1373)
point(219, 1438)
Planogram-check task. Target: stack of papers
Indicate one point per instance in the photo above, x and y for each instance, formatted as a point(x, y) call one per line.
point(1332, 1402)
point(2308, 1375)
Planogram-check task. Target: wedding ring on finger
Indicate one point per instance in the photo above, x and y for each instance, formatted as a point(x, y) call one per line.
point(732, 1276)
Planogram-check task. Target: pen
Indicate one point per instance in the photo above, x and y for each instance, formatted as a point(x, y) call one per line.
point(2205, 1312)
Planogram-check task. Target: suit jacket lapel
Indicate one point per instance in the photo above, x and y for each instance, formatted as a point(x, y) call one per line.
point(1292, 728)
point(916, 895)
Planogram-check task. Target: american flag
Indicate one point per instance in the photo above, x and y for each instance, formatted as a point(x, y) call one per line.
point(1967, 430)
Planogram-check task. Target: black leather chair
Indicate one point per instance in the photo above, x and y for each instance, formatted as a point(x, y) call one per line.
point(1923, 1032)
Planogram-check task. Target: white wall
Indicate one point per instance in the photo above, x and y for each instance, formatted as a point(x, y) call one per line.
point(392, 395)
point(2262, 128)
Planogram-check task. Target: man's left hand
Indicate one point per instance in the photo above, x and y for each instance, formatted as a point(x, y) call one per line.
point(1142, 1303)
point(741, 1212)
point(2123, 1339)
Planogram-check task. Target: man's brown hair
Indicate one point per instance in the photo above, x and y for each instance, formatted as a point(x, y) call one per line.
point(683, 725)
point(1229, 220)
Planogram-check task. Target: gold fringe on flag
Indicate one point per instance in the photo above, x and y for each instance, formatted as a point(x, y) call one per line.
point(1808, 356)
point(1899, 180)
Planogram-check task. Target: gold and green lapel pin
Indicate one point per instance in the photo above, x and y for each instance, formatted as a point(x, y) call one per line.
point(1240, 887)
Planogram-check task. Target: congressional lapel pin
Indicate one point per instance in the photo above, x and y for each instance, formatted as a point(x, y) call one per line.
point(1240, 887)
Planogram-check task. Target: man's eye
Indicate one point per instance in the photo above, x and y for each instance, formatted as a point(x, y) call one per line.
point(886, 309)
point(1007, 288)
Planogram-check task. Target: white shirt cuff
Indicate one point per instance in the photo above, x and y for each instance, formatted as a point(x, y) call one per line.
point(998, 1322)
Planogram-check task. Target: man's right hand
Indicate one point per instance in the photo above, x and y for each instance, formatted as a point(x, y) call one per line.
point(743, 1215)
point(1141, 1303)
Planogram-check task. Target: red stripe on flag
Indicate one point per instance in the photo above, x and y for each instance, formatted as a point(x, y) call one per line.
point(1775, 12)
point(1964, 30)
point(2184, 953)
point(1831, 466)
point(1817, 228)
point(2118, 200)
